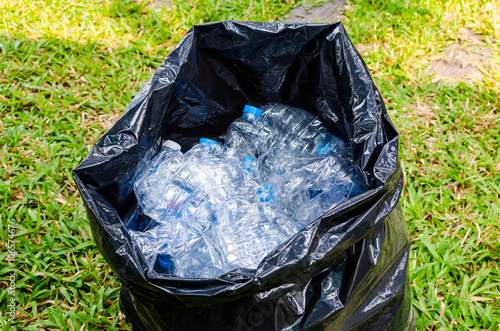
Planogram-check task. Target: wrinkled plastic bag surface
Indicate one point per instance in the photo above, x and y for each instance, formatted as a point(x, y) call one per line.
point(347, 270)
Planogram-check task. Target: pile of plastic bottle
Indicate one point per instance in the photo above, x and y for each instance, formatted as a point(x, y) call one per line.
point(218, 207)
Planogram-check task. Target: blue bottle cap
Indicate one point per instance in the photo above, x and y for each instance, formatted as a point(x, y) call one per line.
point(324, 149)
point(266, 193)
point(165, 261)
point(252, 110)
point(247, 163)
point(208, 141)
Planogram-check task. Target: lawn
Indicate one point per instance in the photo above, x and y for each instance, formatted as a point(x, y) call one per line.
point(68, 68)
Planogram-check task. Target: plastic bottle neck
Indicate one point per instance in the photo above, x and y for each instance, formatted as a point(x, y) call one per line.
point(208, 145)
point(250, 117)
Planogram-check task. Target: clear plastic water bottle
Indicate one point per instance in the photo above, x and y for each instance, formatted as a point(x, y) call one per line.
point(182, 246)
point(289, 132)
point(243, 133)
point(335, 181)
point(278, 121)
point(323, 142)
point(302, 130)
point(331, 170)
point(253, 190)
point(192, 246)
point(156, 175)
point(245, 234)
point(323, 202)
point(213, 173)
point(170, 192)
point(274, 222)
point(247, 192)
point(202, 259)
point(294, 189)
point(261, 229)
point(172, 198)
point(152, 242)
point(296, 130)
point(232, 238)
point(275, 160)
point(245, 243)
point(307, 135)
point(161, 166)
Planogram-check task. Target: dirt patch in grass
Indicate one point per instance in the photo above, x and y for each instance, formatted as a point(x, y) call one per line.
point(329, 12)
point(462, 60)
point(158, 4)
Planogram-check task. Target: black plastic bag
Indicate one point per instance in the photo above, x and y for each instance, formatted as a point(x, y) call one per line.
point(345, 271)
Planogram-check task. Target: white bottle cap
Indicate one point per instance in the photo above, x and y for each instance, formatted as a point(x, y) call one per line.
point(172, 145)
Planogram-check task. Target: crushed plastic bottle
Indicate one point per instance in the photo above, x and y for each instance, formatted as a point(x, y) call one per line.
point(201, 256)
point(152, 242)
point(249, 238)
point(213, 173)
point(250, 180)
point(335, 181)
point(156, 174)
point(243, 133)
point(297, 131)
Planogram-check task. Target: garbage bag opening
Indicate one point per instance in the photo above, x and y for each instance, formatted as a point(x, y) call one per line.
point(216, 208)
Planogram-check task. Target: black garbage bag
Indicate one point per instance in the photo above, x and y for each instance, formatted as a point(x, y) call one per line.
point(347, 270)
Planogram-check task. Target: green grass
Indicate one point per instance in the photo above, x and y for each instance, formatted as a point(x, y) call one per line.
point(68, 68)
point(450, 142)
